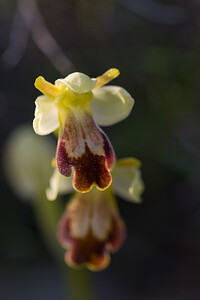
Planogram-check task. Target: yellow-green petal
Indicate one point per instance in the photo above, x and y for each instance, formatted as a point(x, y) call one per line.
point(46, 116)
point(127, 182)
point(47, 88)
point(111, 104)
point(77, 82)
point(106, 77)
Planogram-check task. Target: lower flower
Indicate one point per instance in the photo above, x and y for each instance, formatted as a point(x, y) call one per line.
point(90, 228)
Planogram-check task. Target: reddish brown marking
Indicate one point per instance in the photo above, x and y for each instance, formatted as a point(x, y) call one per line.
point(63, 161)
point(89, 169)
point(90, 250)
point(63, 233)
point(108, 149)
point(94, 129)
point(72, 128)
point(117, 234)
point(81, 251)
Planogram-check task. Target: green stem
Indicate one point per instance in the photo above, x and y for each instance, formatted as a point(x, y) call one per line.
point(77, 283)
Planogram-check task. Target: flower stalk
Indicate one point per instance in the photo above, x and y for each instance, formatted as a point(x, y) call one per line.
point(47, 215)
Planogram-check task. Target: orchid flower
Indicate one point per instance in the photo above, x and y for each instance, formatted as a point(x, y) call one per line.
point(74, 106)
point(91, 226)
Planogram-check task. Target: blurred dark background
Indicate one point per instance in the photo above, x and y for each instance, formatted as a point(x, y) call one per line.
point(156, 46)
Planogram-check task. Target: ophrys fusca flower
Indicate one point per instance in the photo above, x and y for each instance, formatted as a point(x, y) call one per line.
point(73, 106)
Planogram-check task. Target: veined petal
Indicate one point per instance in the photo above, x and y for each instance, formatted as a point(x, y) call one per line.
point(127, 181)
point(46, 116)
point(111, 104)
point(77, 82)
point(58, 185)
point(85, 149)
point(89, 229)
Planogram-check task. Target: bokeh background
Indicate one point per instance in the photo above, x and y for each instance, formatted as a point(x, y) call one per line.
point(156, 46)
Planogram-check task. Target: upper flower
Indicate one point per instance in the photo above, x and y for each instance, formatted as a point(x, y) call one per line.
point(70, 106)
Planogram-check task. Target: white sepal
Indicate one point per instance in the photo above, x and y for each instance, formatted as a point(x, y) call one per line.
point(128, 184)
point(59, 184)
point(111, 104)
point(46, 116)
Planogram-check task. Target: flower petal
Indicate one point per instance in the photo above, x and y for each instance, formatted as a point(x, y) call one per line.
point(90, 228)
point(77, 82)
point(58, 184)
point(47, 88)
point(127, 181)
point(111, 104)
point(106, 77)
point(84, 147)
point(46, 116)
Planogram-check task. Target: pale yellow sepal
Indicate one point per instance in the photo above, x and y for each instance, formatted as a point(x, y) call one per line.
point(111, 104)
point(128, 162)
point(46, 116)
point(47, 88)
point(77, 82)
point(106, 77)
point(58, 184)
point(127, 181)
